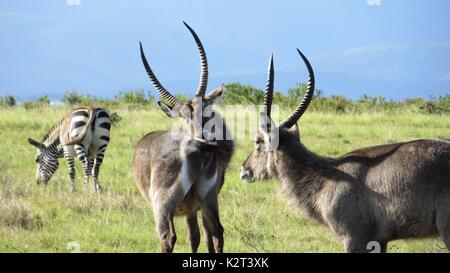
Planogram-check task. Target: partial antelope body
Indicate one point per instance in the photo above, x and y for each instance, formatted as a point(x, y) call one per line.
point(84, 133)
point(379, 193)
point(182, 171)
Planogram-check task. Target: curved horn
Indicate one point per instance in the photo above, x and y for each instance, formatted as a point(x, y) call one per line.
point(158, 86)
point(204, 64)
point(301, 108)
point(268, 95)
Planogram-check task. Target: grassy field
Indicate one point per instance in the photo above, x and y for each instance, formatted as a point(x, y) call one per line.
point(255, 217)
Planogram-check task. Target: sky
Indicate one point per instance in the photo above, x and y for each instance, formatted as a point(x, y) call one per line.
point(392, 48)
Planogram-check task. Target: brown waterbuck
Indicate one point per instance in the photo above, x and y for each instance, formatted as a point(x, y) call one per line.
point(367, 197)
point(182, 171)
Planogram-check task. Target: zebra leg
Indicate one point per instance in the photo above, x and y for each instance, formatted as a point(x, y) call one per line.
point(82, 157)
point(97, 163)
point(95, 170)
point(71, 164)
point(88, 171)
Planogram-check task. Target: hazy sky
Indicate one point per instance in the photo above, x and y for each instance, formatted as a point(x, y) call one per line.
point(393, 48)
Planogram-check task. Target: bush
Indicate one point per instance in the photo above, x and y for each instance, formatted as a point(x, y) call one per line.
point(73, 98)
point(30, 105)
point(236, 93)
point(44, 100)
point(296, 93)
point(115, 118)
point(136, 97)
point(436, 105)
point(132, 97)
point(182, 97)
point(8, 101)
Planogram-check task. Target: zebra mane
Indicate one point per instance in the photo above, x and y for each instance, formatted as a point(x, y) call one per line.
point(53, 133)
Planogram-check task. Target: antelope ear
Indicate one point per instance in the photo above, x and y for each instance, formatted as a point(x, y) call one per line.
point(167, 109)
point(35, 143)
point(216, 93)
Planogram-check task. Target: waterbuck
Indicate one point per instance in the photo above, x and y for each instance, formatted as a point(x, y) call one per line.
point(182, 171)
point(379, 193)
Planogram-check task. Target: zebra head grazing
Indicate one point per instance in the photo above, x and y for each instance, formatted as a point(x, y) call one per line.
point(46, 160)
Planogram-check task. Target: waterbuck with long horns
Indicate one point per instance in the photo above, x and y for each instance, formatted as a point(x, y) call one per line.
point(182, 171)
point(379, 193)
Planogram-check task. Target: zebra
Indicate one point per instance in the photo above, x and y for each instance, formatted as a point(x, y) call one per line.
point(83, 133)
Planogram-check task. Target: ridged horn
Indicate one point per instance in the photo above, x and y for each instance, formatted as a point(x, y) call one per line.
point(172, 100)
point(301, 108)
point(268, 95)
point(203, 64)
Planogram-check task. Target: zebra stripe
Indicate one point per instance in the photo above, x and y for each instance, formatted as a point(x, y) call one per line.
point(89, 151)
point(106, 125)
point(102, 114)
point(80, 113)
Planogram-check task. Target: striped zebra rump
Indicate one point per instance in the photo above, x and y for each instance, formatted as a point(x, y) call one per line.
point(88, 128)
point(91, 129)
point(74, 129)
point(100, 127)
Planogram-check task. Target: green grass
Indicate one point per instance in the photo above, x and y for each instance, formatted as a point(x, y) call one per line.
point(255, 217)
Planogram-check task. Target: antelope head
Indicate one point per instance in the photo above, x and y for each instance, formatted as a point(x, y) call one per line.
point(197, 112)
point(272, 139)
